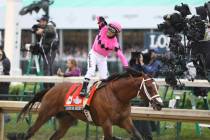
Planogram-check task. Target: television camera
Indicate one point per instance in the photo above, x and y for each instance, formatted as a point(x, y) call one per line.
point(187, 33)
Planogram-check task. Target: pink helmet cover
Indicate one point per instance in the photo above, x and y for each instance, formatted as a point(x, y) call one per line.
point(116, 26)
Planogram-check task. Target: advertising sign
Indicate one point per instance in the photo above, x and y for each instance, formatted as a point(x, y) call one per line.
point(156, 40)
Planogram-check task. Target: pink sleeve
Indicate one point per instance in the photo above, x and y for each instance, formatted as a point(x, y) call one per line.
point(122, 58)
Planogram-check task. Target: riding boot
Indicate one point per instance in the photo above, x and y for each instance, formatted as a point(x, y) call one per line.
point(83, 92)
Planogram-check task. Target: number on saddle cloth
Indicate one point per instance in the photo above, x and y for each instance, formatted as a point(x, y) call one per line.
point(74, 102)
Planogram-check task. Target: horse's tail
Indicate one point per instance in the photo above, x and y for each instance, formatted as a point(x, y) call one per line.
point(27, 108)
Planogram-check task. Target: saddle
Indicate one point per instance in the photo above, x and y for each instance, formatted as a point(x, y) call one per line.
point(74, 102)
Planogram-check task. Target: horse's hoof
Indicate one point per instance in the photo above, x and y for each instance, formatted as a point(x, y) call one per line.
point(116, 138)
point(15, 136)
point(138, 139)
point(12, 136)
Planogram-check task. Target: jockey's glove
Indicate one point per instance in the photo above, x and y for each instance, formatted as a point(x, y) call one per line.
point(101, 21)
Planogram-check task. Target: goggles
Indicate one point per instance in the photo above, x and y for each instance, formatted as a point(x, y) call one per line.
point(111, 29)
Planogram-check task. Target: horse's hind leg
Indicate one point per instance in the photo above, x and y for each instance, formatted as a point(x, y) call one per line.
point(65, 121)
point(42, 118)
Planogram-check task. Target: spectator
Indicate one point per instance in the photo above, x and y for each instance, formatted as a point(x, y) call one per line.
point(4, 70)
point(4, 86)
point(72, 69)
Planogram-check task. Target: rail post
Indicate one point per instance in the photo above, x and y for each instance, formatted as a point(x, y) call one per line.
point(2, 125)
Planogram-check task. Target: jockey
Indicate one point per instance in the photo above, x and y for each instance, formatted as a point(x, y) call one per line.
point(105, 42)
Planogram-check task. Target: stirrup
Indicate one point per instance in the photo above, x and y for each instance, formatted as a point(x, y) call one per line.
point(83, 94)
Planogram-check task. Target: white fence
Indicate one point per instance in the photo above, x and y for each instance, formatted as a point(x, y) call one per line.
point(56, 79)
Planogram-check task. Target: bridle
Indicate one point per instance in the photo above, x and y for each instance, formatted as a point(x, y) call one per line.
point(143, 85)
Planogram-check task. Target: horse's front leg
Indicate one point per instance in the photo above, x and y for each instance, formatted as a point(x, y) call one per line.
point(107, 128)
point(128, 125)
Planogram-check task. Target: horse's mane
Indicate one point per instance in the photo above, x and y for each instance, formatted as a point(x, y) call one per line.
point(127, 73)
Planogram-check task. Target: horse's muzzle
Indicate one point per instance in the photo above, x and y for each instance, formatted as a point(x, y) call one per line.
point(157, 104)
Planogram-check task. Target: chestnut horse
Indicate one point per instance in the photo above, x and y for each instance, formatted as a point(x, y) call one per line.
point(110, 105)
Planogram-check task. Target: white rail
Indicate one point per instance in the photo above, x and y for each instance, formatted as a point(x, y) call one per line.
point(56, 79)
point(143, 113)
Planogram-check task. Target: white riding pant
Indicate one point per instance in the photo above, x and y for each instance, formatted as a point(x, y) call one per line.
point(95, 59)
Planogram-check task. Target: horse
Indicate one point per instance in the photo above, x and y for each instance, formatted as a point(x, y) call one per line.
point(110, 105)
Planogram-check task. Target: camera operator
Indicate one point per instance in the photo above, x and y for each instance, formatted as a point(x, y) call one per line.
point(136, 57)
point(46, 43)
point(150, 64)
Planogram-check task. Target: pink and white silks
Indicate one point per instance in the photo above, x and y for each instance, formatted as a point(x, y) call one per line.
point(101, 49)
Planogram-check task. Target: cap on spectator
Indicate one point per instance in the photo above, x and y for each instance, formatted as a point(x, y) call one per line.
point(44, 17)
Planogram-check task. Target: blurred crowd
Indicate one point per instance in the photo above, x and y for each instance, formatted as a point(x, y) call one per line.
point(71, 50)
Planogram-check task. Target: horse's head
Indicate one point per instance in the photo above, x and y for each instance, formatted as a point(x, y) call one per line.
point(149, 90)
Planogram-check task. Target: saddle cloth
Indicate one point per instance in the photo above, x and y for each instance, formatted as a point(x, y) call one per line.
point(74, 102)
